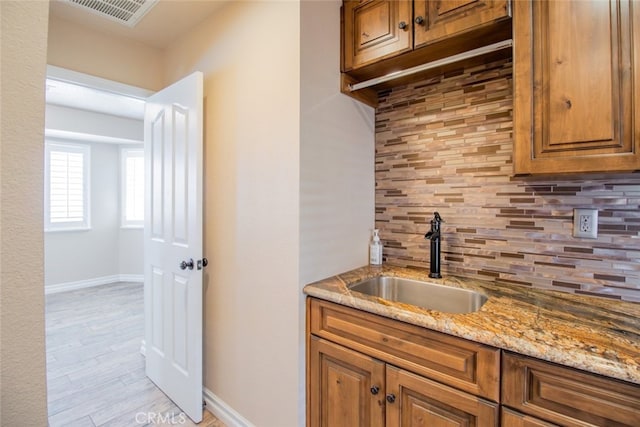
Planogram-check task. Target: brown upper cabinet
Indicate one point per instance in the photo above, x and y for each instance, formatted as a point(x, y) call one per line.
point(374, 30)
point(384, 36)
point(380, 29)
point(576, 86)
point(435, 20)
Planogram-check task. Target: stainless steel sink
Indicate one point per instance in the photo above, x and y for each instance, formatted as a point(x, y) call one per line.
point(422, 294)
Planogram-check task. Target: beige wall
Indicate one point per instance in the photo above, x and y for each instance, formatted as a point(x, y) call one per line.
point(23, 50)
point(122, 60)
point(288, 188)
point(337, 154)
point(289, 191)
point(336, 159)
point(249, 53)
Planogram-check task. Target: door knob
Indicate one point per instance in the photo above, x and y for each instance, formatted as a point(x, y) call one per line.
point(186, 264)
point(391, 397)
point(402, 25)
point(375, 389)
point(419, 20)
point(202, 263)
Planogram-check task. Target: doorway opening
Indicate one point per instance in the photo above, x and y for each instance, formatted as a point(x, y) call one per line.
point(94, 252)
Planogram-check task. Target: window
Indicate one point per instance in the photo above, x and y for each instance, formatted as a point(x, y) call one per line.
point(132, 161)
point(66, 186)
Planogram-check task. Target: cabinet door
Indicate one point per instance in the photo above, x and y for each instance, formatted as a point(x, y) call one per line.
point(511, 418)
point(437, 19)
point(374, 30)
point(342, 387)
point(574, 91)
point(417, 401)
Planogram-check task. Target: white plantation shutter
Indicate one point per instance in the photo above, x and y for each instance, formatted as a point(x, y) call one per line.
point(133, 187)
point(66, 186)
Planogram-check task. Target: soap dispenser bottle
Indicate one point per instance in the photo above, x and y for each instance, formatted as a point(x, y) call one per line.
point(375, 249)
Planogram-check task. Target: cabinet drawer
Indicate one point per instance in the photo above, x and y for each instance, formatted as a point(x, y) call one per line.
point(468, 366)
point(515, 419)
point(567, 396)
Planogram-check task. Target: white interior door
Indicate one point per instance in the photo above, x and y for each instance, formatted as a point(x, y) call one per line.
point(173, 237)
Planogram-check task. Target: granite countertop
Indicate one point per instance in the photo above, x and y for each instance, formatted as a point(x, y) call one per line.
point(593, 334)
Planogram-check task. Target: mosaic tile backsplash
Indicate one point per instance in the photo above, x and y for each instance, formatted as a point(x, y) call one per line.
point(445, 144)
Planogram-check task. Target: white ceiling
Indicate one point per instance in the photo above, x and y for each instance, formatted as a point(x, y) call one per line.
point(165, 22)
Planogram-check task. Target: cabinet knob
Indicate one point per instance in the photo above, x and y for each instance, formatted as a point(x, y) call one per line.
point(402, 25)
point(419, 20)
point(375, 389)
point(391, 397)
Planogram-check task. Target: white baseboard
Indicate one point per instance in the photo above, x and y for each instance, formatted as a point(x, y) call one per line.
point(222, 411)
point(88, 283)
point(136, 278)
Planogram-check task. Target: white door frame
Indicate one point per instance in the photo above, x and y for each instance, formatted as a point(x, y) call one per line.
point(75, 77)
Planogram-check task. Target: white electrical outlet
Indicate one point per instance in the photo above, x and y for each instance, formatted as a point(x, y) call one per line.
point(585, 223)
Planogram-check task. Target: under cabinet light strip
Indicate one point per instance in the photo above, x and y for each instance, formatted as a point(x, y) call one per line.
point(434, 64)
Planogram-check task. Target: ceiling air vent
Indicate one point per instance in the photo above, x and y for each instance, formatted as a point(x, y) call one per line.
point(127, 12)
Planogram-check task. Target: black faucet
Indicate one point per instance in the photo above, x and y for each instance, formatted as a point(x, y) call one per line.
point(434, 237)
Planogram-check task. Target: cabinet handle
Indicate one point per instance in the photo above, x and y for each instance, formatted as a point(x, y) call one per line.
point(419, 20)
point(375, 389)
point(402, 25)
point(391, 397)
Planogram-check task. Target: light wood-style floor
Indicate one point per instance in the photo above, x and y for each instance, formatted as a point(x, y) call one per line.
point(95, 372)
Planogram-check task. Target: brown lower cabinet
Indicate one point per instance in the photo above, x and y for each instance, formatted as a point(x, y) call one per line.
point(346, 387)
point(370, 371)
point(566, 396)
point(351, 389)
point(509, 418)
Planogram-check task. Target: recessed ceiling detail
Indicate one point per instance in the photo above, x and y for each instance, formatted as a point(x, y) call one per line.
point(127, 12)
